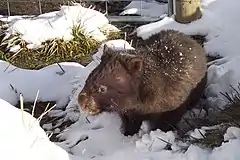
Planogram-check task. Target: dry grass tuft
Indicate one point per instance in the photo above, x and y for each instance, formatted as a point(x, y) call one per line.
point(38, 119)
point(222, 119)
point(53, 51)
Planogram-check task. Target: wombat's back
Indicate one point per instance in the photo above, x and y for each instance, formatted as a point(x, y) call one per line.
point(176, 66)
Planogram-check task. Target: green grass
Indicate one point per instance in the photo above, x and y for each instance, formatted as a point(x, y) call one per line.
point(53, 51)
point(79, 49)
point(111, 35)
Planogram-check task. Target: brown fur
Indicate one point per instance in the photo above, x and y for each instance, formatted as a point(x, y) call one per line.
point(157, 83)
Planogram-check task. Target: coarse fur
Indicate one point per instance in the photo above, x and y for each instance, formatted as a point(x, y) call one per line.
point(157, 82)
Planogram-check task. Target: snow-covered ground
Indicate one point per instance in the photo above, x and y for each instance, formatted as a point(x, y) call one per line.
point(99, 137)
point(22, 137)
point(150, 8)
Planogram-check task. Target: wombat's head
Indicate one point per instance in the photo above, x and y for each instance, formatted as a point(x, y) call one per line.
point(113, 83)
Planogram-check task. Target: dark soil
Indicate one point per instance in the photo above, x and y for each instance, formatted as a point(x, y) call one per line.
point(113, 8)
point(28, 7)
point(40, 108)
point(31, 7)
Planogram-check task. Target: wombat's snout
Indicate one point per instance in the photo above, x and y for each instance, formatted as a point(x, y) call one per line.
point(82, 98)
point(88, 104)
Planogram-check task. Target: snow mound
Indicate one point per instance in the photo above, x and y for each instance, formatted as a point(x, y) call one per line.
point(150, 8)
point(59, 24)
point(22, 134)
point(51, 85)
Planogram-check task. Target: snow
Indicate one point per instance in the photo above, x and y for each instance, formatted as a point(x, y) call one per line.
point(99, 136)
point(232, 133)
point(59, 25)
point(46, 80)
point(197, 133)
point(155, 141)
point(47, 126)
point(22, 134)
point(150, 8)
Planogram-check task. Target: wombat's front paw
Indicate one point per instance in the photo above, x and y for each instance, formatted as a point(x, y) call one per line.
point(74, 134)
point(97, 137)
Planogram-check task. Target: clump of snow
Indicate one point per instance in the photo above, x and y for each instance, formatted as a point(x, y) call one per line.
point(150, 8)
point(197, 133)
point(220, 79)
point(59, 24)
point(47, 126)
point(22, 138)
point(232, 133)
point(155, 141)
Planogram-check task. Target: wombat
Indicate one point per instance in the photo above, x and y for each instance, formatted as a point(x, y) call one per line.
point(156, 83)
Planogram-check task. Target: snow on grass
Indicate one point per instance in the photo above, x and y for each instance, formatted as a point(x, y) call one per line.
point(59, 24)
point(52, 85)
point(146, 9)
point(22, 138)
point(220, 23)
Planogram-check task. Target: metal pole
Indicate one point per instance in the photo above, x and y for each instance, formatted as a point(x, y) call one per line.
point(106, 7)
point(8, 7)
point(40, 6)
point(170, 8)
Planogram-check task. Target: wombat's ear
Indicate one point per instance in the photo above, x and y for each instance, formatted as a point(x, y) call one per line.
point(135, 64)
point(107, 51)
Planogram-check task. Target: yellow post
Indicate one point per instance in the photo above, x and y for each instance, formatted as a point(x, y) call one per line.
point(187, 10)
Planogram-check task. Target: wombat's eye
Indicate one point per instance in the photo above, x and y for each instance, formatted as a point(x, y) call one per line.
point(102, 89)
